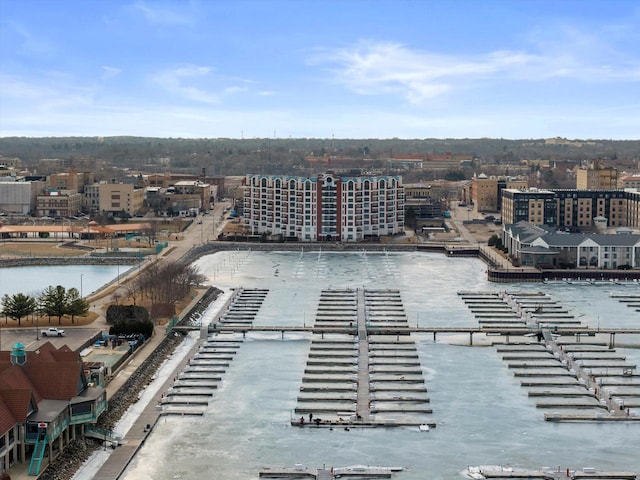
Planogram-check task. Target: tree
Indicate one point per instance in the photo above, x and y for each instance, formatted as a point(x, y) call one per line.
point(53, 302)
point(410, 217)
point(494, 241)
point(18, 305)
point(76, 305)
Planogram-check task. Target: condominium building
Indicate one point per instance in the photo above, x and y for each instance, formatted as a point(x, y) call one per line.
point(325, 208)
point(570, 208)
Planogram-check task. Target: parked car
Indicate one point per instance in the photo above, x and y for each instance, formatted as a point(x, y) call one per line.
point(52, 332)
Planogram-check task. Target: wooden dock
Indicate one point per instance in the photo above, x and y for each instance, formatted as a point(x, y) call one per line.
point(331, 473)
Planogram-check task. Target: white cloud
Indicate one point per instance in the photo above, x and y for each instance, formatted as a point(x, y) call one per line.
point(110, 72)
point(197, 83)
point(383, 68)
point(165, 16)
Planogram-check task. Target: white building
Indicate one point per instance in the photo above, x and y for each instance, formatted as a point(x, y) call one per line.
point(326, 208)
point(541, 246)
point(19, 197)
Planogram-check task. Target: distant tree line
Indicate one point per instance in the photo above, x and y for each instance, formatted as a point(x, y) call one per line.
point(227, 156)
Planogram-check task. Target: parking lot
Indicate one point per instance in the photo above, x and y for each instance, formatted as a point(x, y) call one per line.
point(74, 337)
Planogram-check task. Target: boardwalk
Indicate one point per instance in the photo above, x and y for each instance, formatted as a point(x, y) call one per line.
point(363, 402)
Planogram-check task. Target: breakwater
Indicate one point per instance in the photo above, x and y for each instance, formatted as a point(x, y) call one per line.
point(80, 260)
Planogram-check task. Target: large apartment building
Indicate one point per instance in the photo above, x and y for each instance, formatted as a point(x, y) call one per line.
point(571, 208)
point(325, 208)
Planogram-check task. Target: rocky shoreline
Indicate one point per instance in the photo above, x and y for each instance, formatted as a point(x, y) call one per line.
point(79, 451)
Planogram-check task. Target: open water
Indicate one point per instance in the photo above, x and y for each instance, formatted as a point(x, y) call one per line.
point(483, 415)
point(33, 280)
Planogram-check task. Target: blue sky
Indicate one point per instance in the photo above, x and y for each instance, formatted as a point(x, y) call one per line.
point(306, 68)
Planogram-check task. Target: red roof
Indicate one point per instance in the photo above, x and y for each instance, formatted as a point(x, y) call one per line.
point(48, 373)
point(7, 420)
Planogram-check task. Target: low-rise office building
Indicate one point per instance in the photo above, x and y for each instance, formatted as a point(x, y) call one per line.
point(118, 198)
point(63, 203)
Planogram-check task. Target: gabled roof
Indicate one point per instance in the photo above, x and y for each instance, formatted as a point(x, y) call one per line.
point(563, 239)
point(527, 232)
point(48, 375)
point(7, 420)
point(15, 378)
point(18, 401)
point(57, 381)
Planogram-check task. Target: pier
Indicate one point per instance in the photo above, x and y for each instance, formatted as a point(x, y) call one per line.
point(324, 473)
point(355, 379)
point(572, 380)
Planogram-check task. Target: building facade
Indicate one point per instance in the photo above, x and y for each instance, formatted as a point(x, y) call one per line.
point(19, 197)
point(486, 192)
point(325, 208)
point(571, 208)
point(118, 198)
point(597, 177)
point(540, 246)
point(63, 203)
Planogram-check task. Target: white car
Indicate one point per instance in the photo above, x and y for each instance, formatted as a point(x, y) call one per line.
point(52, 332)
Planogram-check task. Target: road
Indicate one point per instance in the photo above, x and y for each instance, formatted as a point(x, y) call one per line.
point(204, 228)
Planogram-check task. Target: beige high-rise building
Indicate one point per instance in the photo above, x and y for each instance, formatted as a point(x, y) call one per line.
point(597, 177)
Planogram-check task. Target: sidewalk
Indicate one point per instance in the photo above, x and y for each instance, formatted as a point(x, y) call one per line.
point(140, 355)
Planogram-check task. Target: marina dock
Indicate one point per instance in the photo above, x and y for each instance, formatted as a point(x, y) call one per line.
point(363, 381)
point(324, 473)
point(581, 380)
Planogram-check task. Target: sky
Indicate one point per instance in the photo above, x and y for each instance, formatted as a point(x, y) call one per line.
point(513, 69)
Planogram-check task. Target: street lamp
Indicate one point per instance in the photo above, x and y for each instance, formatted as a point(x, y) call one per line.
point(81, 296)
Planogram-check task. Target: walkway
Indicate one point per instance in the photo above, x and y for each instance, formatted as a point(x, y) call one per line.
point(137, 434)
point(362, 402)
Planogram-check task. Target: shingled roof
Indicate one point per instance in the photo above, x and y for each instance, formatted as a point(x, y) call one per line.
point(48, 374)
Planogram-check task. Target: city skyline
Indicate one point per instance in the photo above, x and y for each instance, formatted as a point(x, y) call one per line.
point(352, 69)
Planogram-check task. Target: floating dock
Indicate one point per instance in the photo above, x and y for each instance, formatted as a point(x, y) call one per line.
point(364, 382)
